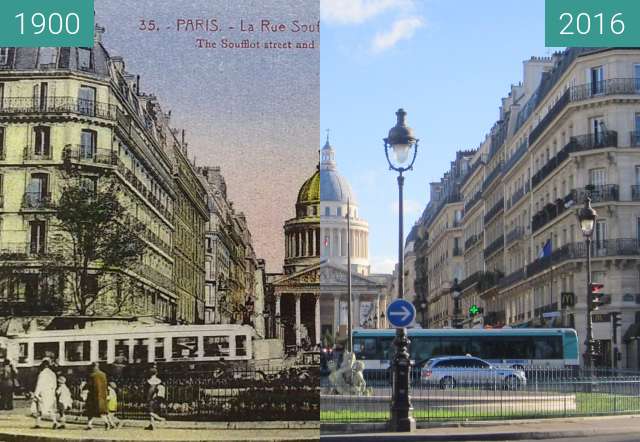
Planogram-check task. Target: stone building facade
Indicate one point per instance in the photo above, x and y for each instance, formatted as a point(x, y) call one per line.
point(568, 130)
point(79, 110)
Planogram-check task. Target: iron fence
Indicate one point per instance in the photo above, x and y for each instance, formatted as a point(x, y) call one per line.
point(462, 395)
point(220, 395)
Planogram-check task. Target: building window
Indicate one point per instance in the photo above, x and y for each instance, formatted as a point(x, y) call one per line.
point(597, 80)
point(1, 95)
point(327, 211)
point(4, 56)
point(42, 135)
point(600, 232)
point(598, 177)
point(37, 238)
point(47, 57)
point(1, 142)
point(339, 211)
point(84, 59)
point(87, 100)
point(90, 184)
point(88, 144)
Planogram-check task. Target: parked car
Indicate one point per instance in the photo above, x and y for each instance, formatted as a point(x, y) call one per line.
point(453, 371)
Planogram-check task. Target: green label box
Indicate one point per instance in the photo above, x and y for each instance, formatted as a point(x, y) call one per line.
point(592, 23)
point(46, 23)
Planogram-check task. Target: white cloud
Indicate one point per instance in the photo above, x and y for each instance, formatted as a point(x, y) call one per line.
point(410, 207)
point(402, 29)
point(345, 12)
point(382, 264)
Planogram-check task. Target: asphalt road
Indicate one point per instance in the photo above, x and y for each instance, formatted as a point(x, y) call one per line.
point(614, 438)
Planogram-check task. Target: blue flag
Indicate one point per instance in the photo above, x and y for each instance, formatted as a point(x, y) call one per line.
point(546, 250)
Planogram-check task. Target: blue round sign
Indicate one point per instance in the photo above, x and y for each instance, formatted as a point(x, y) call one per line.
point(401, 313)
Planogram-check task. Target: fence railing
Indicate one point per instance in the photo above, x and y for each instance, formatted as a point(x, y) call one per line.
point(57, 105)
point(221, 395)
point(486, 394)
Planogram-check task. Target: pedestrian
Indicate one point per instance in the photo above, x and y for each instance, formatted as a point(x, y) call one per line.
point(63, 402)
point(96, 405)
point(44, 396)
point(112, 406)
point(8, 384)
point(156, 394)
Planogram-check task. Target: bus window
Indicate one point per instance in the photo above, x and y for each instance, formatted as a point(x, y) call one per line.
point(77, 351)
point(140, 350)
point(451, 346)
point(548, 347)
point(386, 348)
point(184, 347)
point(23, 352)
point(43, 350)
point(423, 348)
point(160, 349)
point(366, 348)
point(241, 345)
point(518, 347)
point(216, 346)
point(103, 350)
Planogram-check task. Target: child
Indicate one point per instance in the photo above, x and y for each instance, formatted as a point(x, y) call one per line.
point(156, 395)
point(112, 406)
point(63, 402)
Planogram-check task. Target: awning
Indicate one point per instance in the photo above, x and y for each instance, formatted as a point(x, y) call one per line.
point(633, 332)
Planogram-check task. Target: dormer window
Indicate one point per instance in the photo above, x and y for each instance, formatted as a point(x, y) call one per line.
point(47, 58)
point(84, 59)
point(4, 56)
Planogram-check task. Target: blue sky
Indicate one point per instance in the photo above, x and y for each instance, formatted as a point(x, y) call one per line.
point(447, 63)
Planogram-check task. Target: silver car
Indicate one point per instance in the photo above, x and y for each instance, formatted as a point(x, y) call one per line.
point(452, 371)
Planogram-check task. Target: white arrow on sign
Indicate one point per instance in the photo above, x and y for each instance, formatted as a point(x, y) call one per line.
point(405, 313)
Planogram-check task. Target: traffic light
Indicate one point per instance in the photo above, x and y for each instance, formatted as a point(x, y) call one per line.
point(596, 295)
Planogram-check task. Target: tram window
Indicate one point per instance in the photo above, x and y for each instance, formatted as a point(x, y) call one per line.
point(102, 350)
point(216, 346)
point(23, 352)
point(77, 351)
point(160, 349)
point(140, 350)
point(184, 347)
point(122, 351)
point(43, 350)
point(548, 347)
point(241, 345)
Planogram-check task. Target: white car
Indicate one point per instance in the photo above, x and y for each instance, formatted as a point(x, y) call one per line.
point(452, 371)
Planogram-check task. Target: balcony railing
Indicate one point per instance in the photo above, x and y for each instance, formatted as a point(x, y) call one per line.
point(635, 193)
point(577, 250)
point(514, 235)
point(30, 153)
point(472, 279)
point(576, 144)
point(472, 241)
point(57, 105)
point(518, 195)
point(512, 278)
point(519, 153)
point(37, 200)
point(492, 176)
point(495, 210)
point(496, 245)
point(614, 86)
point(22, 249)
point(88, 154)
point(472, 202)
point(598, 194)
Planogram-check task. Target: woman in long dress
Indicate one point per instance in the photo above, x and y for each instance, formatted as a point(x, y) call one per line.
point(44, 396)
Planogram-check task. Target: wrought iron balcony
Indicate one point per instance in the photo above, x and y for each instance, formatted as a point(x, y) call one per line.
point(469, 281)
point(492, 176)
point(473, 201)
point(576, 144)
point(635, 193)
point(472, 241)
point(31, 154)
point(495, 210)
point(90, 155)
point(57, 105)
point(512, 278)
point(577, 250)
point(518, 195)
point(514, 235)
point(519, 153)
point(598, 194)
point(614, 86)
point(495, 246)
point(37, 200)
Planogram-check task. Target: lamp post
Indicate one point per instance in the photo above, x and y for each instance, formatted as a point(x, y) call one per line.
point(455, 292)
point(423, 311)
point(404, 147)
point(587, 217)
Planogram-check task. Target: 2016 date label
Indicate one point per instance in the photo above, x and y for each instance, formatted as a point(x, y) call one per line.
point(592, 23)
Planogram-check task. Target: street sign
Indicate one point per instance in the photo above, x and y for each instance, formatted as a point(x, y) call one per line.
point(401, 313)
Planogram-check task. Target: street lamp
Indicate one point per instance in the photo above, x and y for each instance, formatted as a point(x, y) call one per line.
point(423, 310)
point(587, 217)
point(404, 147)
point(455, 292)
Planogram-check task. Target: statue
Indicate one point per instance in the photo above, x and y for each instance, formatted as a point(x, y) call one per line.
point(349, 378)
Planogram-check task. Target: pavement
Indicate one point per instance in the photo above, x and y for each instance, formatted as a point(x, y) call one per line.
point(19, 428)
point(583, 429)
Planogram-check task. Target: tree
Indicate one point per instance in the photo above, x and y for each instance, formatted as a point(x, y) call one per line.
point(98, 242)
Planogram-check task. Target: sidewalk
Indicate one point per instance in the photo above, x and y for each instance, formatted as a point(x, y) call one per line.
point(505, 430)
point(20, 429)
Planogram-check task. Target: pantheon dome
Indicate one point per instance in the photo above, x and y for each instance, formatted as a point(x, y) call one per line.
point(336, 199)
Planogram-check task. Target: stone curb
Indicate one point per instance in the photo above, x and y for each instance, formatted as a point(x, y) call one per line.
point(375, 427)
point(10, 437)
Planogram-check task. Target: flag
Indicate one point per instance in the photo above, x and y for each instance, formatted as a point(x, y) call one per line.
point(546, 250)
